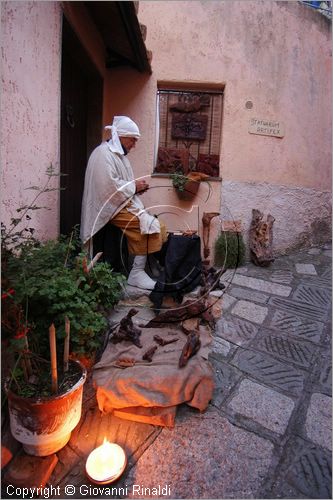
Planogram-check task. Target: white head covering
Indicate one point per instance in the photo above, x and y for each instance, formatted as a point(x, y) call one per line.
point(124, 127)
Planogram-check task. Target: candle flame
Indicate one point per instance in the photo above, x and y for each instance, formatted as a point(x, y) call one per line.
point(106, 461)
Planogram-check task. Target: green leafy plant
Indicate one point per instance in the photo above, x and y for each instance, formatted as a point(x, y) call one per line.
point(229, 250)
point(44, 283)
point(179, 181)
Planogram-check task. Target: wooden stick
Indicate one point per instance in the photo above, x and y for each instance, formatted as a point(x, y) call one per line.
point(95, 259)
point(26, 360)
point(91, 265)
point(53, 353)
point(66, 344)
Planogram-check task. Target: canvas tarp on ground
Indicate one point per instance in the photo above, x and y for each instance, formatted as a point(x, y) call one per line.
point(151, 392)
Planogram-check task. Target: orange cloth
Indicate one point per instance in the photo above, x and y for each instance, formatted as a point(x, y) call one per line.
point(138, 244)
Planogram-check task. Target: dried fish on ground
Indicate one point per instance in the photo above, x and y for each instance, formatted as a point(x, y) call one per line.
point(127, 330)
point(187, 310)
point(161, 341)
point(211, 280)
point(125, 362)
point(191, 347)
point(148, 355)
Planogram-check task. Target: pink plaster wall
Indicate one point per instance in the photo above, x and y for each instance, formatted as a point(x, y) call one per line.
point(30, 105)
point(276, 54)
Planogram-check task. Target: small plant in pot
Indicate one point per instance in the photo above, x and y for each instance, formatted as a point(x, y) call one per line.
point(54, 307)
point(187, 186)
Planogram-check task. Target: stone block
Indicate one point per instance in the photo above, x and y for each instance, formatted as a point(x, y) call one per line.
point(227, 276)
point(318, 424)
point(307, 467)
point(282, 276)
point(30, 472)
point(324, 281)
point(225, 377)
point(243, 293)
point(266, 406)
point(262, 285)
point(204, 456)
point(324, 375)
point(236, 330)
point(227, 301)
point(220, 346)
point(311, 311)
point(250, 311)
point(290, 350)
point(291, 324)
point(9, 447)
point(306, 269)
point(269, 370)
point(318, 296)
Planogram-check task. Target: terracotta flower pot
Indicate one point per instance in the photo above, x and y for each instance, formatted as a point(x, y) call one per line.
point(87, 361)
point(44, 425)
point(190, 190)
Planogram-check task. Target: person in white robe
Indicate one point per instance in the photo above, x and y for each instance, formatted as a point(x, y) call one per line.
point(111, 195)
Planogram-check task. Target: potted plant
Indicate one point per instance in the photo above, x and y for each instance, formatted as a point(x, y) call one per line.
point(187, 186)
point(54, 307)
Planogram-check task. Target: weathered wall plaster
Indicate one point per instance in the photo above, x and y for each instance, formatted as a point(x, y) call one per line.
point(276, 55)
point(30, 104)
point(302, 215)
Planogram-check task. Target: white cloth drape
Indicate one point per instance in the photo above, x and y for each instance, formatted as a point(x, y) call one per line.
point(109, 187)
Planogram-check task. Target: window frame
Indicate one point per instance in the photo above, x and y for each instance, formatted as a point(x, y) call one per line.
point(186, 87)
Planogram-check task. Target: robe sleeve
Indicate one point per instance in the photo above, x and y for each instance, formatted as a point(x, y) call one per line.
point(109, 186)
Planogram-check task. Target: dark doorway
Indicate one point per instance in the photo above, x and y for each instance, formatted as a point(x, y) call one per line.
point(81, 124)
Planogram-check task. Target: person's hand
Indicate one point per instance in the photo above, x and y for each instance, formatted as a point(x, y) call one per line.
point(141, 186)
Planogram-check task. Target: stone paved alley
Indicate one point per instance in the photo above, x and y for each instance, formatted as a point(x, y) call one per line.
point(267, 431)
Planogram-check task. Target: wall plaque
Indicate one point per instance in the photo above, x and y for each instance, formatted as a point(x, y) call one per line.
point(189, 126)
point(171, 160)
point(208, 164)
point(266, 127)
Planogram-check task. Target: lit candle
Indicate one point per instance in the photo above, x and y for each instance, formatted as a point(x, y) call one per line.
point(106, 463)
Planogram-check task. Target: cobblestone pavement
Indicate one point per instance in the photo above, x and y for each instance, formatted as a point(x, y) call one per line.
point(267, 431)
